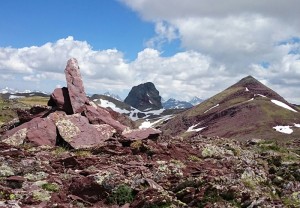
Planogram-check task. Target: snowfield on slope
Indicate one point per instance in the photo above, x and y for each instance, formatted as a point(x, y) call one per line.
point(211, 108)
point(192, 128)
point(283, 105)
point(148, 124)
point(283, 129)
point(106, 104)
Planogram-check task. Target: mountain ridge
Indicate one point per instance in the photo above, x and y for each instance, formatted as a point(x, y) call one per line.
point(244, 110)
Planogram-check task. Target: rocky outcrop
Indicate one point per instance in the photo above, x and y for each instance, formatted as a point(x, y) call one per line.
point(76, 91)
point(38, 131)
point(73, 121)
point(61, 100)
point(144, 97)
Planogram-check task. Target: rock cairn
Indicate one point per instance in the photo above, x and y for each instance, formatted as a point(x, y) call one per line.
point(73, 120)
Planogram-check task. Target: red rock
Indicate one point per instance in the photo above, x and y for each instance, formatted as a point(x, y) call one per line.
point(139, 134)
point(87, 189)
point(35, 111)
point(42, 131)
point(61, 100)
point(97, 115)
point(38, 131)
point(75, 86)
point(79, 133)
point(16, 178)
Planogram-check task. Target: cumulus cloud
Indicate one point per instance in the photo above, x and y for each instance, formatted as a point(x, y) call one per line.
point(182, 75)
point(47, 62)
point(256, 37)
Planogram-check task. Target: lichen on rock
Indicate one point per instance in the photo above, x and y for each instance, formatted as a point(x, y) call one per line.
point(17, 138)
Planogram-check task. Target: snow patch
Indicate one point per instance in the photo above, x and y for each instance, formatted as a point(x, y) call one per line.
point(148, 124)
point(192, 128)
point(211, 108)
point(247, 90)
point(283, 105)
point(250, 100)
point(283, 129)
point(106, 104)
point(297, 125)
point(154, 112)
point(262, 95)
point(145, 124)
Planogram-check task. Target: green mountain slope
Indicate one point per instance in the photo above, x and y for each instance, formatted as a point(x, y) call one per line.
point(245, 110)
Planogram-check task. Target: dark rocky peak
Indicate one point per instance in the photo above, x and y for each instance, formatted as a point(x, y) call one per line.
point(144, 96)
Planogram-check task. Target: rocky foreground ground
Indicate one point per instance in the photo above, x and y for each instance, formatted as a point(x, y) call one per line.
point(167, 172)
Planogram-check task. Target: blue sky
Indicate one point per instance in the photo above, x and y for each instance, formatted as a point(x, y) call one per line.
point(104, 24)
point(187, 48)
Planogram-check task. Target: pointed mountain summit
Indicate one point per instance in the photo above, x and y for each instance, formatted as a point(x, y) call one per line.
point(253, 85)
point(245, 110)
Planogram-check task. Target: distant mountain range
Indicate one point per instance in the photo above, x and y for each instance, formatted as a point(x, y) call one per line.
point(115, 96)
point(196, 100)
point(176, 104)
point(247, 109)
point(9, 93)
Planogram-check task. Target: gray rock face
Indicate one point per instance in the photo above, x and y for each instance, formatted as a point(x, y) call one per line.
point(144, 96)
point(75, 86)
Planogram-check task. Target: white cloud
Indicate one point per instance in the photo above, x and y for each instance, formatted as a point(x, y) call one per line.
point(47, 62)
point(182, 75)
point(165, 33)
point(242, 37)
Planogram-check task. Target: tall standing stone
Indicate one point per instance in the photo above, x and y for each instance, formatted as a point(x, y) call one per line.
point(75, 86)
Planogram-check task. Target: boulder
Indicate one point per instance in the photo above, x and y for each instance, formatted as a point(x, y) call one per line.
point(41, 131)
point(79, 133)
point(61, 100)
point(139, 134)
point(75, 86)
point(38, 131)
point(97, 115)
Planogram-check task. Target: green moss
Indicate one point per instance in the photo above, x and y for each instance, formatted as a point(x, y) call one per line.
point(293, 200)
point(121, 195)
point(194, 158)
point(59, 151)
point(5, 195)
point(53, 187)
point(83, 153)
